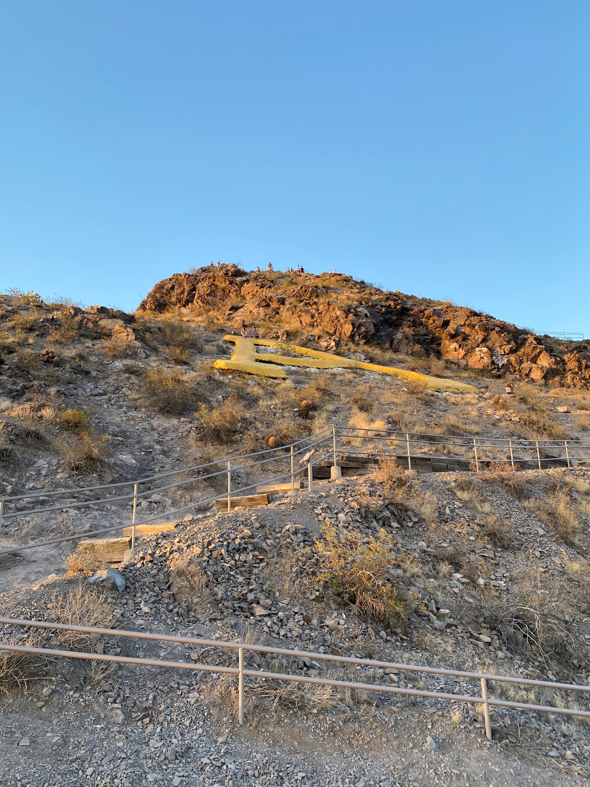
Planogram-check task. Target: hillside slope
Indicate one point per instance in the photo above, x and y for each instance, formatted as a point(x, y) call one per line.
point(333, 309)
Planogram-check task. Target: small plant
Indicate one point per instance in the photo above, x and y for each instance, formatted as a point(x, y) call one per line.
point(30, 297)
point(498, 532)
point(390, 475)
point(221, 423)
point(469, 492)
point(557, 514)
point(356, 571)
point(169, 391)
point(75, 419)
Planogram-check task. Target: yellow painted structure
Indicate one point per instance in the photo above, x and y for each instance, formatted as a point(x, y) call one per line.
point(245, 358)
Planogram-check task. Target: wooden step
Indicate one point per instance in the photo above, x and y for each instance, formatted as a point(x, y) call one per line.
point(146, 530)
point(265, 488)
point(250, 501)
point(109, 550)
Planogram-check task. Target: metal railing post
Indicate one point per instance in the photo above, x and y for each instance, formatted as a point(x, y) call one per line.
point(229, 485)
point(1, 504)
point(511, 455)
point(409, 456)
point(486, 708)
point(567, 456)
point(134, 515)
point(310, 474)
point(334, 444)
point(538, 454)
point(476, 457)
point(292, 471)
point(241, 686)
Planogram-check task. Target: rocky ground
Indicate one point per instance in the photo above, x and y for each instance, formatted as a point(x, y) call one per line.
point(484, 573)
point(258, 574)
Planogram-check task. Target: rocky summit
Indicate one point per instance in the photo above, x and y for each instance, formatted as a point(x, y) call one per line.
point(333, 308)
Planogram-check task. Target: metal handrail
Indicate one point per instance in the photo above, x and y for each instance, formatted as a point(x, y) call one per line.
point(316, 440)
point(241, 672)
point(160, 475)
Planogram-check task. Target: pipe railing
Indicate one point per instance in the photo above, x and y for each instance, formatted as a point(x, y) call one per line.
point(241, 647)
point(414, 446)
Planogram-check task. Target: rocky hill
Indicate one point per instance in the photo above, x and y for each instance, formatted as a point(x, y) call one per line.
point(334, 309)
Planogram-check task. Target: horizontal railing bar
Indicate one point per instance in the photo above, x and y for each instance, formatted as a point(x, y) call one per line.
point(160, 475)
point(289, 652)
point(65, 506)
point(147, 520)
point(76, 654)
point(51, 653)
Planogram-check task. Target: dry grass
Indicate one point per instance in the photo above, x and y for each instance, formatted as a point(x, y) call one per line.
point(357, 572)
point(498, 532)
point(470, 493)
point(189, 584)
point(362, 402)
point(83, 449)
point(390, 476)
point(169, 391)
point(557, 514)
point(82, 607)
point(220, 424)
point(514, 484)
point(360, 424)
point(79, 607)
point(118, 348)
point(83, 561)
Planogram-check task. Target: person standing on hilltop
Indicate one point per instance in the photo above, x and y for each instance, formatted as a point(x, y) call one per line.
point(270, 268)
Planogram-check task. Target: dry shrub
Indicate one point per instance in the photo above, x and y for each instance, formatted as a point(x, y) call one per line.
point(454, 428)
point(362, 402)
point(469, 493)
point(360, 424)
point(75, 419)
point(460, 556)
point(169, 391)
point(285, 432)
point(118, 348)
point(530, 631)
point(500, 403)
point(424, 504)
point(82, 450)
point(557, 514)
point(221, 423)
point(84, 561)
point(356, 571)
point(78, 607)
point(498, 532)
point(514, 484)
point(390, 476)
point(82, 607)
point(542, 426)
point(189, 584)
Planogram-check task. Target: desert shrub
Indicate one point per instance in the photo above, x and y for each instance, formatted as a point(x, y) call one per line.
point(514, 484)
point(30, 297)
point(390, 475)
point(118, 348)
point(360, 424)
point(285, 432)
point(220, 423)
point(531, 632)
point(356, 571)
point(469, 493)
point(169, 391)
point(83, 449)
point(498, 532)
point(189, 584)
point(83, 561)
point(542, 426)
point(75, 419)
point(362, 402)
point(66, 331)
point(557, 514)
point(80, 606)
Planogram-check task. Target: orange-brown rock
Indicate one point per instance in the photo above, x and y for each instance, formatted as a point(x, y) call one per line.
point(333, 308)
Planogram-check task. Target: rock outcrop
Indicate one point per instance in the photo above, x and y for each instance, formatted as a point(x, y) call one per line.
point(334, 308)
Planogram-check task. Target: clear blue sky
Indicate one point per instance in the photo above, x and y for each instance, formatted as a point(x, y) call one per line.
point(437, 148)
